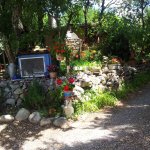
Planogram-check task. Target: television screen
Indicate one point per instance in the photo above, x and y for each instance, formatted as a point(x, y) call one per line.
point(33, 65)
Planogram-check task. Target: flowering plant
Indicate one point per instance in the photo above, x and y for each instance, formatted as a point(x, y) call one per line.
point(52, 68)
point(67, 84)
point(115, 60)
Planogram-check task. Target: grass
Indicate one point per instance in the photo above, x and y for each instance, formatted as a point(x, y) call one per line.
point(85, 63)
point(98, 100)
point(128, 87)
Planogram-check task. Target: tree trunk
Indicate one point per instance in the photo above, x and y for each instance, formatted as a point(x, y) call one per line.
point(85, 11)
point(101, 11)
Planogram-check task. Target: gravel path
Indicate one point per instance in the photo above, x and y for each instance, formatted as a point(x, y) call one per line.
point(123, 128)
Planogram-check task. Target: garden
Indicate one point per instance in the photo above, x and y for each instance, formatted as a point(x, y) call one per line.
point(87, 61)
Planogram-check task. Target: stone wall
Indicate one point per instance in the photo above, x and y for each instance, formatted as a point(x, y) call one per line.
point(109, 77)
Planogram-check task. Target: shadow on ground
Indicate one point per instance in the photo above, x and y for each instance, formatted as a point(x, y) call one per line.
point(120, 128)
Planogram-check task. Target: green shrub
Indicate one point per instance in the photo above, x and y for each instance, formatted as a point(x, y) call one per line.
point(34, 98)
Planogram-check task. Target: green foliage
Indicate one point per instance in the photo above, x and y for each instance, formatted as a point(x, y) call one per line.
point(95, 101)
point(34, 98)
point(83, 63)
point(54, 100)
point(128, 87)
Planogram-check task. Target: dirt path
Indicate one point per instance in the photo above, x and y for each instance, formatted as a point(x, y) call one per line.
point(122, 128)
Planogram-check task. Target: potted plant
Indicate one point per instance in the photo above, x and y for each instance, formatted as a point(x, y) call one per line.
point(67, 89)
point(52, 69)
point(114, 63)
point(67, 86)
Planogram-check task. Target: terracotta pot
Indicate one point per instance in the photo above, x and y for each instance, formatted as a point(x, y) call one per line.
point(53, 75)
point(59, 57)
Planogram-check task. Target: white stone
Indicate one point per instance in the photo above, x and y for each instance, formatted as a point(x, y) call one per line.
point(6, 118)
point(79, 89)
point(22, 114)
point(35, 117)
point(10, 101)
point(45, 121)
point(61, 122)
point(68, 110)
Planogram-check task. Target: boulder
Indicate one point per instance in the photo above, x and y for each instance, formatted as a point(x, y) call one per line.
point(45, 121)
point(22, 114)
point(35, 117)
point(61, 122)
point(10, 101)
point(6, 118)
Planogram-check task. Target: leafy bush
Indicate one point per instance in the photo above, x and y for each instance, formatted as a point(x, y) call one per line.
point(34, 98)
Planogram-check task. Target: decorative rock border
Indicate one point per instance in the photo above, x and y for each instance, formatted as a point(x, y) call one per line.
point(35, 117)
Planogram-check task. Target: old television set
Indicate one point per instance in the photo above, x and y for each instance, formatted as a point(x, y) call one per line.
point(33, 65)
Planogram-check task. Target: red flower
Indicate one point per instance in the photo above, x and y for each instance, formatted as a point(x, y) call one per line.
point(57, 51)
point(59, 81)
point(71, 80)
point(62, 51)
point(56, 47)
point(66, 88)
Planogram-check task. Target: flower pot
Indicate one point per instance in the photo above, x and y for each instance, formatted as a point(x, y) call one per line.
point(68, 93)
point(11, 70)
point(53, 75)
point(59, 57)
point(114, 66)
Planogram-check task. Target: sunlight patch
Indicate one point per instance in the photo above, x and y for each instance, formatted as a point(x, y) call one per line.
point(2, 127)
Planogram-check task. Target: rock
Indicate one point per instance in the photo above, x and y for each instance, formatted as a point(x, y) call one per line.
point(35, 117)
point(85, 84)
point(68, 110)
point(22, 114)
point(95, 80)
point(61, 122)
point(3, 84)
point(105, 70)
point(10, 101)
point(6, 118)
point(24, 87)
point(7, 90)
point(45, 121)
point(79, 89)
point(18, 91)
point(14, 86)
point(22, 96)
point(19, 101)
